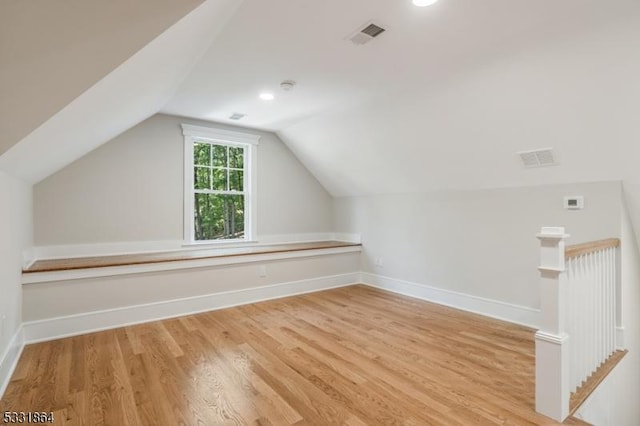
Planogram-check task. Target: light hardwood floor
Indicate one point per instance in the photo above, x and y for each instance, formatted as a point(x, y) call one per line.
point(354, 355)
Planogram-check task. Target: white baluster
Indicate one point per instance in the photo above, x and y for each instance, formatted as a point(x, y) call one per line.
point(605, 305)
point(610, 301)
point(588, 316)
point(584, 283)
point(593, 349)
point(602, 326)
point(575, 348)
point(613, 299)
point(573, 321)
point(592, 326)
point(597, 302)
point(602, 316)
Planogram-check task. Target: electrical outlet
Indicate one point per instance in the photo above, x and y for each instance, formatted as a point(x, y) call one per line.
point(378, 262)
point(262, 271)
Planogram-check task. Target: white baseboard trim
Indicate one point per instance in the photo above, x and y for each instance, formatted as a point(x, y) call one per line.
point(55, 328)
point(517, 314)
point(9, 360)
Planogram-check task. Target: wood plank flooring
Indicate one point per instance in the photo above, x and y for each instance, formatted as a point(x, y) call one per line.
point(355, 355)
point(51, 265)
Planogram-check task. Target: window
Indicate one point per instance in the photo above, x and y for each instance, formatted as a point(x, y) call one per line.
point(219, 185)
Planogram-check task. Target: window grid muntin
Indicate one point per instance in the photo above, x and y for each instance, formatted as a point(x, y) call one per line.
point(227, 168)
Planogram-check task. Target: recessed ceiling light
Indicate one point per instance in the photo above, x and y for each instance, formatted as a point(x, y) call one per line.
point(267, 96)
point(423, 3)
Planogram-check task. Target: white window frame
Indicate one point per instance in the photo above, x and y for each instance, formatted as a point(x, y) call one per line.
point(249, 141)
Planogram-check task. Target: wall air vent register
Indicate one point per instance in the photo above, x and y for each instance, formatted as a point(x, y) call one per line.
point(538, 158)
point(367, 33)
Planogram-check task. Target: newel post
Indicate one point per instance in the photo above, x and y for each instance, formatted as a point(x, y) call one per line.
point(552, 351)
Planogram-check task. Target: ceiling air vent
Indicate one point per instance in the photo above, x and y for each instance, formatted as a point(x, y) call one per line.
point(366, 34)
point(538, 158)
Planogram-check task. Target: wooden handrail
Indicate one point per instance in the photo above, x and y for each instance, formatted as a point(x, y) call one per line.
point(590, 247)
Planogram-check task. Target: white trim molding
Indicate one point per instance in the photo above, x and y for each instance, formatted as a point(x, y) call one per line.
point(10, 358)
point(249, 142)
point(295, 238)
point(67, 251)
point(552, 338)
point(28, 257)
point(72, 325)
point(516, 314)
point(306, 238)
point(552, 375)
point(220, 135)
point(348, 238)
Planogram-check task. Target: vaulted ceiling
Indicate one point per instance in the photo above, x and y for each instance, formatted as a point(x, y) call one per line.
point(267, 42)
point(52, 51)
point(76, 73)
point(443, 99)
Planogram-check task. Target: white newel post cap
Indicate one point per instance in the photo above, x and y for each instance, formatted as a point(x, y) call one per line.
point(552, 248)
point(553, 233)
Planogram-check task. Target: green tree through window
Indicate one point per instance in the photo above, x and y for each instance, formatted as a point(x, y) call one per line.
point(219, 191)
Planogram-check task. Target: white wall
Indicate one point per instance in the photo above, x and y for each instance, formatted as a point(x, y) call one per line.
point(480, 243)
point(15, 235)
point(67, 307)
point(131, 189)
point(69, 297)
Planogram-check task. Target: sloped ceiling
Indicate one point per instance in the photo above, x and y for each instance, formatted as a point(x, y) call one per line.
point(132, 92)
point(579, 96)
point(52, 51)
point(442, 100)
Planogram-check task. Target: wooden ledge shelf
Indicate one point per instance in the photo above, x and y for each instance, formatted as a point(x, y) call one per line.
point(590, 247)
point(78, 263)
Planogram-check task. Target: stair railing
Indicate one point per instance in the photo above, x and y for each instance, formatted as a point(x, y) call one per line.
point(579, 296)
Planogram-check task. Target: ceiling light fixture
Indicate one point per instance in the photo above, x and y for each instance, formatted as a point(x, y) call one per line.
point(267, 96)
point(423, 3)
